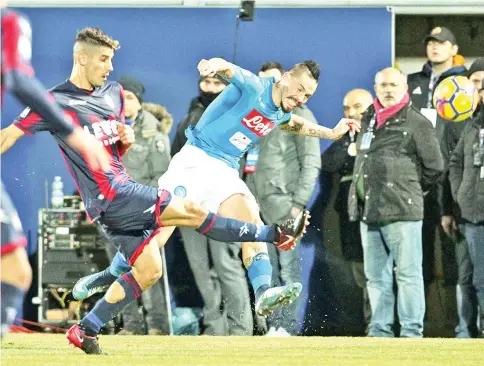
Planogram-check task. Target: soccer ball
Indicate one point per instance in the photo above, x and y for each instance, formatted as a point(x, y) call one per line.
point(455, 98)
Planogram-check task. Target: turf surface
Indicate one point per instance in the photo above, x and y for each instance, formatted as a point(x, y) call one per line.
point(49, 349)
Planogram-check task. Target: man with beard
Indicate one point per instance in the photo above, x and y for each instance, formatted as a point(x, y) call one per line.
point(224, 282)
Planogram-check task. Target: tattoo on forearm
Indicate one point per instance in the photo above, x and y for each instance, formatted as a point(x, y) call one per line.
point(318, 133)
point(293, 128)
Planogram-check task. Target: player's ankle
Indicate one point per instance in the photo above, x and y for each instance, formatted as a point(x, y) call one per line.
point(261, 291)
point(87, 329)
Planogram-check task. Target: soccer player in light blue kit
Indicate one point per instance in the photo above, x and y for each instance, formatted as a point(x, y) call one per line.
point(206, 169)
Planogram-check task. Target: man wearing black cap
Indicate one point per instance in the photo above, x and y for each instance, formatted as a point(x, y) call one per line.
point(442, 49)
point(453, 224)
point(443, 61)
point(146, 161)
point(467, 184)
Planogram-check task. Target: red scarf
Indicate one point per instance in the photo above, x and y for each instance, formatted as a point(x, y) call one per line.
point(382, 113)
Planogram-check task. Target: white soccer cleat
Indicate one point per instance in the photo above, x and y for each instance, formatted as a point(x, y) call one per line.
point(277, 296)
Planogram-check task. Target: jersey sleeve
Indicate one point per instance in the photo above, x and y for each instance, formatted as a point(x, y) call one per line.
point(20, 80)
point(31, 122)
point(245, 80)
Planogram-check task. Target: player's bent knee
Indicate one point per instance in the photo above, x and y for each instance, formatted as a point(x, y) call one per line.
point(146, 280)
point(16, 270)
point(148, 275)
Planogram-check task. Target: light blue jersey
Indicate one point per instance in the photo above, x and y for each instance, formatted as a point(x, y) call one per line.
point(240, 116)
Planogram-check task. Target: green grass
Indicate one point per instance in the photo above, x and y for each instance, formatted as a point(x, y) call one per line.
point(48, 349)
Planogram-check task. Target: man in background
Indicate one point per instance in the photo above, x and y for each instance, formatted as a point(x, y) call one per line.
point(340, 158)
point(443, 61)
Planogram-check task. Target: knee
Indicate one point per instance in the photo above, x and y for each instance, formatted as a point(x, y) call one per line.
point(149, 276)
point(15, 269)
point(412, 274)
point(24, 277)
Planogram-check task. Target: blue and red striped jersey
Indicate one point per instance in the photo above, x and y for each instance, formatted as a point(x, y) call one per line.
point(98, 112)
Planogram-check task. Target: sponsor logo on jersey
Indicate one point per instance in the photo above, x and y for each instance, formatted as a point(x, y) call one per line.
point(257, 123)
point(105, 131)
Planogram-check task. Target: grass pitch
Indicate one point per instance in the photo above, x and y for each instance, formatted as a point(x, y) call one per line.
point(49, 349)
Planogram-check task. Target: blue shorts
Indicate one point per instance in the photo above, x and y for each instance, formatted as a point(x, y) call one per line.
point(12, 233)
point(132, 218)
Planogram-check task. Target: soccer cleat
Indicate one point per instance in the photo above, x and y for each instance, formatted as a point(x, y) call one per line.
point(86, 287)
point(291, 229)
point(277, 296)
point(78, 339)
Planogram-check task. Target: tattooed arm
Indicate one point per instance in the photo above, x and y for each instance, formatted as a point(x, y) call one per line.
point(300, 126)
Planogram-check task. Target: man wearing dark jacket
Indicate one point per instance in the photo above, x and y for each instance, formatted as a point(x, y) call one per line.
point(209, 89)
point(466, 174)
point(453, 225)
point(397, 154)
point(443, 61)
point(340, 158)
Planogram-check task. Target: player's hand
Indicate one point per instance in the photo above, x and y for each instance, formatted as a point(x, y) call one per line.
point(9, 136)
point(449, 225)
point(345, 125)
point(91, 149)
point(206, 68)
point(126, 134)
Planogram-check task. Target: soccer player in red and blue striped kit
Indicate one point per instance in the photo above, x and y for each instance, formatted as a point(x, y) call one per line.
point(137, 219)
point(18, 78)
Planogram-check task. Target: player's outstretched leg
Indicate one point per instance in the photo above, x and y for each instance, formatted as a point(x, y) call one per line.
point(127, 288)
point(180, 212)
point(16, 276)
point(256, 259)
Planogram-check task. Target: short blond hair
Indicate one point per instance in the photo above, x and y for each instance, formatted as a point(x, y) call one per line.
point(96, 37)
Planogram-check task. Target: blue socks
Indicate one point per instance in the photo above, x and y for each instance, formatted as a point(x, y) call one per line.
point(260, 274)
point(104, 311)
point(229, 230)
point(12, 298)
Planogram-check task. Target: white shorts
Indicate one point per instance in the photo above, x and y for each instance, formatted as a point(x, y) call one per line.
point(198, 177)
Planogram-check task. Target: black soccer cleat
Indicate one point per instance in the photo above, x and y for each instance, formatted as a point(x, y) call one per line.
point(291, 229)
